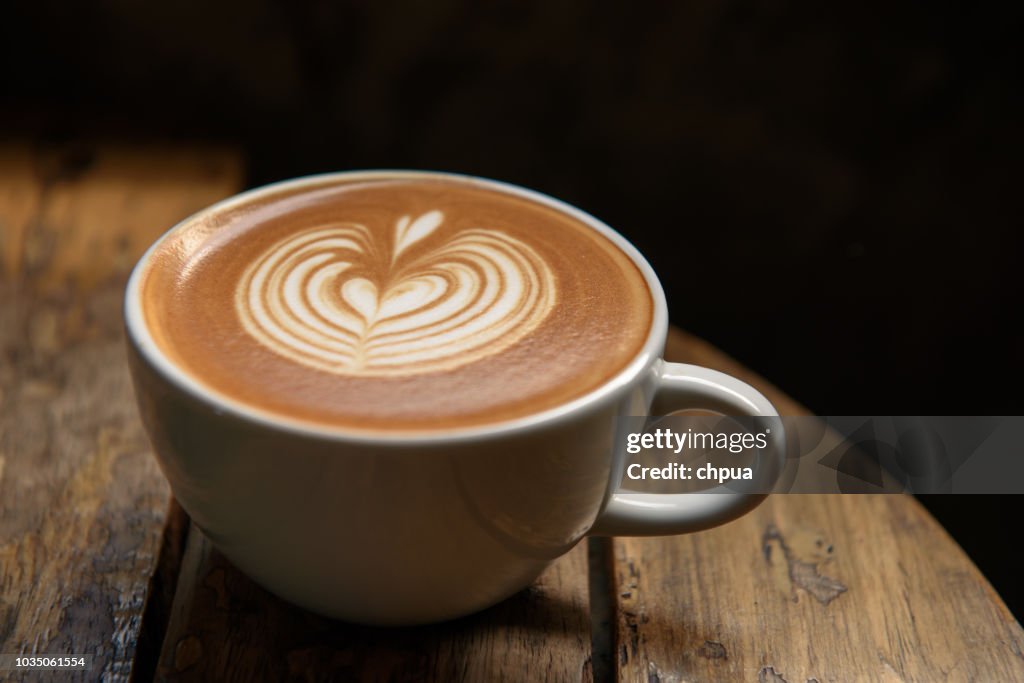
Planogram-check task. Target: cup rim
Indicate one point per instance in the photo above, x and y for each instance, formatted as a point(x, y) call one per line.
point(138, 333)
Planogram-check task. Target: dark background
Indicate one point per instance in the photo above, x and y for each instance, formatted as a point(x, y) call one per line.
point(830, 194)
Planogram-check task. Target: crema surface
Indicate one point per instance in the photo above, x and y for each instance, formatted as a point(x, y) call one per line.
point(395, 304)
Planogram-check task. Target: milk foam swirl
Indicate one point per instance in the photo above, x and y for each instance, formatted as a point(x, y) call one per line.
point(336, 299)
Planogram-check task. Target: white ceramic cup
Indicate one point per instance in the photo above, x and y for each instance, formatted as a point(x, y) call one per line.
point(397, 529)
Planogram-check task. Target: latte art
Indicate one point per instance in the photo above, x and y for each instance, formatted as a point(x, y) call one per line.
point(405, 303)
point(336, 299)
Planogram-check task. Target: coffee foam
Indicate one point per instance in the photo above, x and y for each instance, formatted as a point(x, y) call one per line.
point(321, 298)
point(395, 304)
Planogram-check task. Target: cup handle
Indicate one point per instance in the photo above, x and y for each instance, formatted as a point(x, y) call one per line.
point(690, 387)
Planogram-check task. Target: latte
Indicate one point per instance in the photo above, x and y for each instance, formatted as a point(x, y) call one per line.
point(401, 303)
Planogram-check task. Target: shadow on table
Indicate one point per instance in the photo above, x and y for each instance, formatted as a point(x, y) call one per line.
point(231, 628)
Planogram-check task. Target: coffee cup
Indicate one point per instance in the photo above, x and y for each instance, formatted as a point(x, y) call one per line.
point(392, 397)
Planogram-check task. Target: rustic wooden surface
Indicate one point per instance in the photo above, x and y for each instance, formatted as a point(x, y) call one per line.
point(82, 503)
point(94, 560)
point(226, 628)
point(807, 588)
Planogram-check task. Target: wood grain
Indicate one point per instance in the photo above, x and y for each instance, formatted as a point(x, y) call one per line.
point(82, 503)
point(226, 628)
point(808, 588)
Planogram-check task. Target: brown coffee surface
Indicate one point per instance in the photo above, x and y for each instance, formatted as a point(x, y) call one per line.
point(395, 304)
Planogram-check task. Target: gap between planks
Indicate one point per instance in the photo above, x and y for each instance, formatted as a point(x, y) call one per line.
point(163, 587)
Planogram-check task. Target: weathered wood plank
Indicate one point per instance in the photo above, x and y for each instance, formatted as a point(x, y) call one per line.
point(226, 628)
point(808, 587)
point(82, 503)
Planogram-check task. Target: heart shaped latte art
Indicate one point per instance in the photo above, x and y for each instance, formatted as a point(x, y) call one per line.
point(322, 297)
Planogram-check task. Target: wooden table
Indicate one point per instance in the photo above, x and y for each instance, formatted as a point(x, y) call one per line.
point(95, 558)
